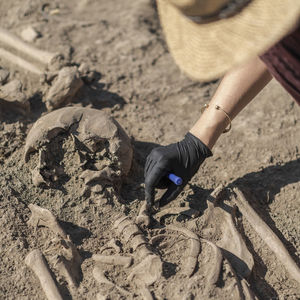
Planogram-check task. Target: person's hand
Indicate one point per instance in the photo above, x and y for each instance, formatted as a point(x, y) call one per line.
point(182, 159)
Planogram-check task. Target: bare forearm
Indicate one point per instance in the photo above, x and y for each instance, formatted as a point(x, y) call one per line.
point(236, 90)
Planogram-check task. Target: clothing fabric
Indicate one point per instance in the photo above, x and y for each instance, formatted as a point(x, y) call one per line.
point(283, 62)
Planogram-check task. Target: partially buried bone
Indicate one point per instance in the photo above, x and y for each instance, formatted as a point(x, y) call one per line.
point(14, 42)
point(68, 263)
point(115, 260)
point(36, 261)
point(267, 235)
point(192, 259)
point(95, 130)
point(43, 217)
point(64, 88)
point(143, 218)
point(24, 64)
point(176, 211)
point(234, 247)
point(101, 279)
point(112, 244)
point(149, 269)
point(219, 227)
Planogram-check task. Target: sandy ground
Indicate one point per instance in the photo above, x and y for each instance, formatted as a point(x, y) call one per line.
point(137, 82)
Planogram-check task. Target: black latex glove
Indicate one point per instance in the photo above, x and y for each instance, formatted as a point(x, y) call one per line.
point(182, 159)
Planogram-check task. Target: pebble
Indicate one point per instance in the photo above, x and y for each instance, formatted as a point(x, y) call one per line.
point(29, 34)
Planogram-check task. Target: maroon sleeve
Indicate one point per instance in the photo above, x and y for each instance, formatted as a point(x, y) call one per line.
point(283, 61)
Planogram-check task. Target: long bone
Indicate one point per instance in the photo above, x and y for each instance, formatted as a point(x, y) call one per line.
point(125, 261)
point(20, 62)
point(178, 210)
point(13, 41)
point(192, 259)
point(37, 263)
point(67, 264)
point(267, 235)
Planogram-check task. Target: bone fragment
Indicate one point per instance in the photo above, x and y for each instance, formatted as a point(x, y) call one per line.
point(43, 217)
point(119, 221)
point(214, 274)
point(267, 235)
point(130, 231)
point(37, 178)
point(137, 241)
point(176, 211)
point(36, 261)
point(64, 88)
point(13, 41)
point(236, 250)
point(123, 225)
point(101, 278)
point(68, 264)
point(143, 218)
point(192, 259)
point(20, 62)
point(115, 260)
point(99, 296)
point(145, 293)
point(104, 176)
point(112, 244)
point(148, 271)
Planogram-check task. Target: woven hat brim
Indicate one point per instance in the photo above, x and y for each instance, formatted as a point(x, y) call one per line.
point(208, 51)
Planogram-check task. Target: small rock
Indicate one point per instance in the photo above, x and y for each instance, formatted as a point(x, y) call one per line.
point(12, 91)
point(4, 74)
point(29, 34)
point(64, 88)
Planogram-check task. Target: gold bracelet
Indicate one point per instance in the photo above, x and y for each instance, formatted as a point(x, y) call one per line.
point(217, 107)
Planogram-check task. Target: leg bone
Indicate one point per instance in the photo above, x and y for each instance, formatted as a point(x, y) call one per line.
point(268, 236)
point(36, 261)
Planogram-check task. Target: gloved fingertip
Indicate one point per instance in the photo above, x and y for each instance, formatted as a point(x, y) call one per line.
point(172, 192)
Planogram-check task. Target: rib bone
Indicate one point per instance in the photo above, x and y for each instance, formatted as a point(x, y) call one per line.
point(116, 260)
point(268, 236)
point(36, 261)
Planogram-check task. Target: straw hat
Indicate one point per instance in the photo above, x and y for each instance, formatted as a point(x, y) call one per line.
point(209, 37)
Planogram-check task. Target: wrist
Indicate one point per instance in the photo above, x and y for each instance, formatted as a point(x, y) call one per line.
point(210, 126)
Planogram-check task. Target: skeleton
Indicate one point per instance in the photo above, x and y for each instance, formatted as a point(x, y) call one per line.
point(93, 129)
point(68, 263)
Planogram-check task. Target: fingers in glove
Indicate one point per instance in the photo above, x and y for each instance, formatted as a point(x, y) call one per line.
point(153, 176)
point(172, 192)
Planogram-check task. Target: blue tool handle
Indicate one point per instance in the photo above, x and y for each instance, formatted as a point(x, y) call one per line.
point(176, 179)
